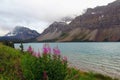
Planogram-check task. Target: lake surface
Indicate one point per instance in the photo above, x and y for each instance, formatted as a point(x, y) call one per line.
point(98, 57)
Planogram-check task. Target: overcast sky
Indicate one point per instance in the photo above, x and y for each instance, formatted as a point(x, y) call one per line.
point(39, 14)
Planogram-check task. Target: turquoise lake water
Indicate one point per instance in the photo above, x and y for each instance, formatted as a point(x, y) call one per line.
point(98, 57)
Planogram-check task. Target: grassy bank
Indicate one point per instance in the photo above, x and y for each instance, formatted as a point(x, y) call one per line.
point(16, 65)
point(10, 67)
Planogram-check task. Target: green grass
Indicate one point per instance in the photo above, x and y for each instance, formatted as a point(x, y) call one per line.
point(15, 65)
point(10, 68)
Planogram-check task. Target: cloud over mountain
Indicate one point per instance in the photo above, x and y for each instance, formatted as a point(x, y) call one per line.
point(38, 14)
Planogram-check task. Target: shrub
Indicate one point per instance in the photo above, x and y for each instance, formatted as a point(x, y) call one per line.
point(46, 66)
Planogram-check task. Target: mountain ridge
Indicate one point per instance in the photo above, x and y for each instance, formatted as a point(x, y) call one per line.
point(98, 24)
point(20, 33)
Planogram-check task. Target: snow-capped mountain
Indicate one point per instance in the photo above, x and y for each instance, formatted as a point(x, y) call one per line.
point(20, 33)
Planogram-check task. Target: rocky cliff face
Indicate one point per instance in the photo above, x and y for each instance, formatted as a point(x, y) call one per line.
point(99, 17)
point(98, 24)
point(86, 34)
point(101, 23)
point(54, 31)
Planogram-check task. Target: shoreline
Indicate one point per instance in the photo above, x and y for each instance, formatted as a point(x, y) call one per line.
point(96, 71)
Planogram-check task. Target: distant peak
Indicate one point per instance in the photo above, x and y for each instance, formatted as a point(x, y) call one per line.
point(20, 27)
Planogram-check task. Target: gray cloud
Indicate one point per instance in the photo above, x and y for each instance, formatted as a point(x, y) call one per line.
point(38, 14)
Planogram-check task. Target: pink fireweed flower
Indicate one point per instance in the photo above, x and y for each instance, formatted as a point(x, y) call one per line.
point(34, 53)
point(56, 51)
point(30, 50)
point(45, 77)
point(46, 49)
point(37, 55)
point(49, 49)
point(65, 59)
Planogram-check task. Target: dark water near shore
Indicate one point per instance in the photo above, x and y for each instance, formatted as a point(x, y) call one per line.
point(99, 57)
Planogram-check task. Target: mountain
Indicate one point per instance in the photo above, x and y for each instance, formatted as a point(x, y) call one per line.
point(54, 31)
point(101, 23)
point(20, 33)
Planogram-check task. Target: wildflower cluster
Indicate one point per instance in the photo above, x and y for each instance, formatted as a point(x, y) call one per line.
point(45, 65)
